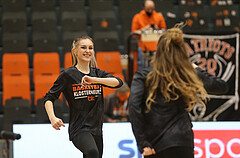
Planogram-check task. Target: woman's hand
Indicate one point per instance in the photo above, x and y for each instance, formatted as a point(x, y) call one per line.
point(87, 80)
point(112, 82)
point(57, 123)
point(194, 65)
point(148, 151)
point(113, 120)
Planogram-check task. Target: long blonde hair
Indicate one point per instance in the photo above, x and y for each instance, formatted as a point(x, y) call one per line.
point(173, 72)
point(75, 45)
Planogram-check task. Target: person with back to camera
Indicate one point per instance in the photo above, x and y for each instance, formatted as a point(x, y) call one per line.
point(115, 105)
point(162, 95)
point(147, 20)
point(81, 85)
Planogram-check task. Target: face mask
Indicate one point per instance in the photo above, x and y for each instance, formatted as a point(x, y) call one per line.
point(149, 13)
point(123, 97)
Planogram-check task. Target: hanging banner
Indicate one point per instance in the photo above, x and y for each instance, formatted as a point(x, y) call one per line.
point(219, 56)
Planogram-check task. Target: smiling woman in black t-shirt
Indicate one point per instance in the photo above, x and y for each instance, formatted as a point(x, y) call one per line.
point(81, 85)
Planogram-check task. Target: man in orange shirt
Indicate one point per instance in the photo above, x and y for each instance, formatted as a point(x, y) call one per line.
point(147, 19)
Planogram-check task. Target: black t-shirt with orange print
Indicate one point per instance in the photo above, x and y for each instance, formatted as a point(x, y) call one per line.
point(85, 103)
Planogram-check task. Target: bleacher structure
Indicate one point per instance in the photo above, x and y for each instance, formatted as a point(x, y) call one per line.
point(35, 33)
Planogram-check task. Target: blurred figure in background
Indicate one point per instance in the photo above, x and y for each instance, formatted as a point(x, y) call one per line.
point(115, 105)
point(147, 20)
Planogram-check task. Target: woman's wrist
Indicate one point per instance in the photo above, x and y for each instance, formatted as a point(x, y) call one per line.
point(52, 117)
point(96, 80)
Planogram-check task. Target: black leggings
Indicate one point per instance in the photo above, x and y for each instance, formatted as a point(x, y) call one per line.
point(90, 145)
point(174, 152)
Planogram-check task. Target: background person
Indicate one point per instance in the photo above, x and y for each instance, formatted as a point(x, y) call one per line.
point(115, 105)
point(147, 19)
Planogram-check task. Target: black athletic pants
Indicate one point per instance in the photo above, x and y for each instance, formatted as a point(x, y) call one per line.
point(174, 152)
point(90, 145)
